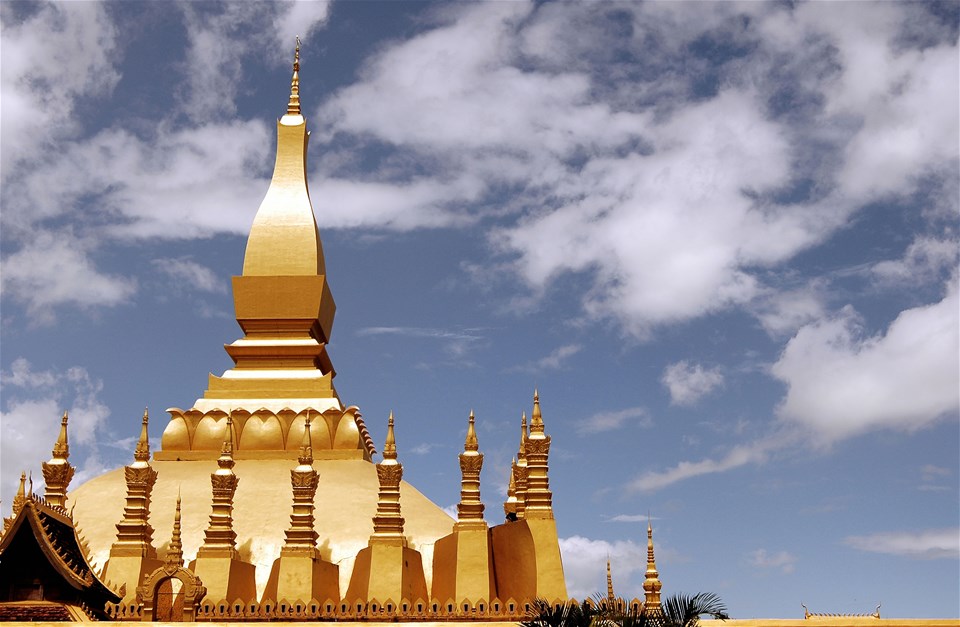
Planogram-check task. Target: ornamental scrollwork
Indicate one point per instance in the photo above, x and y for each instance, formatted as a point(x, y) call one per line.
point(538, 447)
point(142, 476)
point(471, 463)
point(390, 475)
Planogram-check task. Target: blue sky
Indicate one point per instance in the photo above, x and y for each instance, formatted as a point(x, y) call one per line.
point(721, 239)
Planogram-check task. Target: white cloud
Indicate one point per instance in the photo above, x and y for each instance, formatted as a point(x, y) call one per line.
point(54, 270)
point(585, 565)
point(688, 383)
point(631, 518)
point(842, 383)
point(783, 312)
point(781, 560)
point(195, 275)
point(556, 360)
point(30, 420)
point(752, 453)
point(924, 260)
point(610, 420)
point(927, 544)
point(61, 52)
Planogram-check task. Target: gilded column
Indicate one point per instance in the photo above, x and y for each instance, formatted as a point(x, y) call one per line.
point(470, 507)
point(510, 505)
point(538, 500)
point(220, 538)
point(218, 563)
point(304, 480)
point(651, 584)
point(388, 523)
point(387, 570)
point(520, 470)
point(299, 574)
point(133, 555)
point(58, 472)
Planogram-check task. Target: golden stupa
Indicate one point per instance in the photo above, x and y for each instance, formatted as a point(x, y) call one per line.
point(269, 483)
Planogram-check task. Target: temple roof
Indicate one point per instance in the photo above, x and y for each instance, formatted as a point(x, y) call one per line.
point(52, 530)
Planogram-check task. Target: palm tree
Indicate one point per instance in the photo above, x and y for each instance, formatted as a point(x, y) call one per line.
point(679, 610)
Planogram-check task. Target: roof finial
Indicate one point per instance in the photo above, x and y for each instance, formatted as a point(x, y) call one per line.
point(142, 452)
point(21, 496)
point(293, 106)
point(610, 596)
point(536, 418)
point(175, 551)
point(306, 445)
point(61, 450)
point(651, 584)
point(471, 444)
point(522, 453)
point(390, 445)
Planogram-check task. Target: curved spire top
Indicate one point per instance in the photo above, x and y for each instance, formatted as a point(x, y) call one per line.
point(536, 419)
point(390, 446)
point(293, 106)
point(470, 443)
point(142, 452)
point(522, 453)
point(61, 450)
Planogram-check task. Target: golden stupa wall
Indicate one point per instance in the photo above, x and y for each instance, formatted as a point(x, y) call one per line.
point(269, 481)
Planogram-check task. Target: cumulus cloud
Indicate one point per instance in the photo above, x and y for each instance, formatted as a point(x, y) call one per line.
point(688, 383)
point(843, 382)
point(781, 560)
point(611, 420)
point(184, 270)
point(30, 420)
point(585, 565)
point(924, 260)
point(926, 544)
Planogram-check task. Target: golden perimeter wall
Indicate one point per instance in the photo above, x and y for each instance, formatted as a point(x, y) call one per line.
point(752, 622)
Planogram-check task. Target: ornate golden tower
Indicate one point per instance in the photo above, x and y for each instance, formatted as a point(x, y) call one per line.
point(58, 472)
point(463, 560)
point(133, 555)
point(651, 584)
point(284, 307)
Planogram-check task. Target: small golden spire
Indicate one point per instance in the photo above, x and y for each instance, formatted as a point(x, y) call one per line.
point(61, 450)
point(21, 496)
point(30, 478)
point(306, 445)
point(651, 585)
point(536, 419)
point(390, 445)
point(175, 551)
point(226, 451)
point(522, 453)
point(610, 596)
point(142, 452)
point(293, 107)
point(471, 444)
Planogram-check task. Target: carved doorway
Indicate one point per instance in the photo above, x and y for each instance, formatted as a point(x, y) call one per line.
point(169, 601)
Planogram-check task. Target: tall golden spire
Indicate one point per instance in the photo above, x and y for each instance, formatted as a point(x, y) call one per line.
point(134, 533)
point(470, 507)
point(651, 584)
point(21, 497)
point(510, 505)
point(58, 472)
point(538, 500)
point(520, 469)
point(611, 599)
point(388, 523)
point(220, 539)
point(175, 551)
point(304, 479)
point(142, 452)
point(293, 107)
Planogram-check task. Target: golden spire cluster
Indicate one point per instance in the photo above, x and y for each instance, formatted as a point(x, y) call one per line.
point(58, 472)
point(520, 469)
point(388, 523)
point(470, 507)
